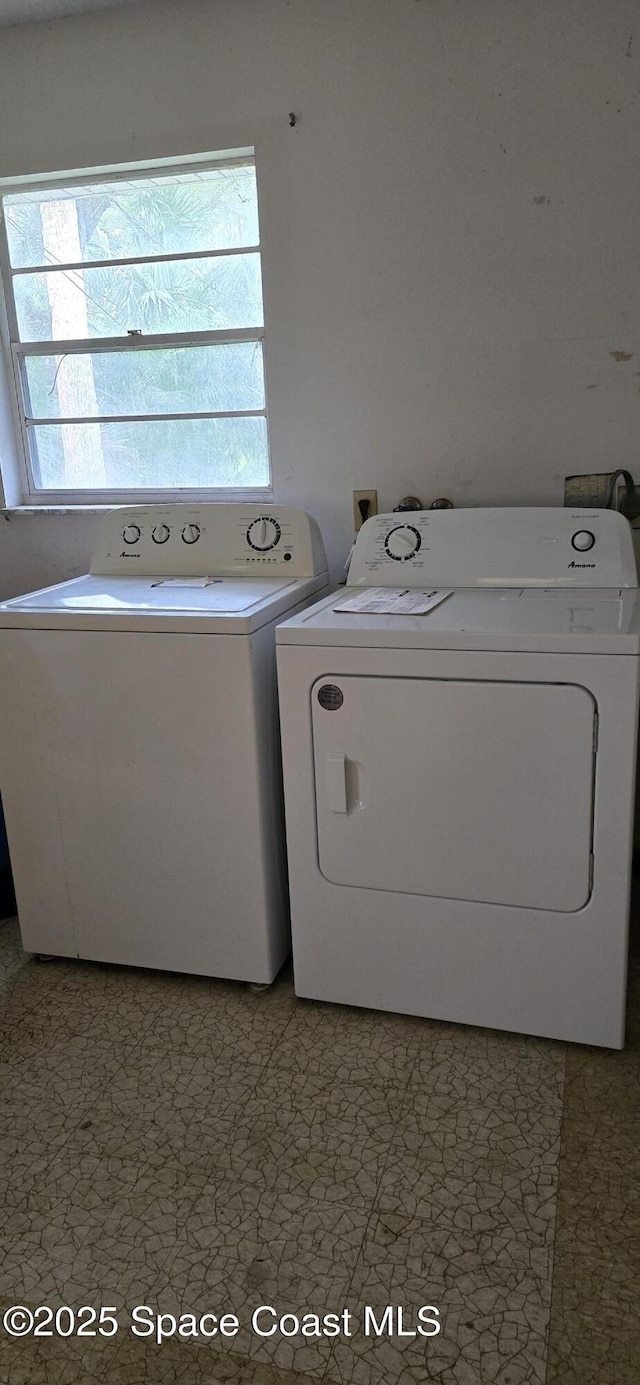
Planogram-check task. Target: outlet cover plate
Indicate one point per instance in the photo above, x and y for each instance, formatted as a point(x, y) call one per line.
point(372, 497)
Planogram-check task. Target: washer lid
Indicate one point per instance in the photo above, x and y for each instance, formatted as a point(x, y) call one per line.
point(558, 621)
point(225, 605)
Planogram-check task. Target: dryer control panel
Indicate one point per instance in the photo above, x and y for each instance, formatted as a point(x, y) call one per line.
point(208, 539)
point(524, 547)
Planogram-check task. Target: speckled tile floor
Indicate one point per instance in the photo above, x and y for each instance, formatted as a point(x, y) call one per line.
point(194, 1146)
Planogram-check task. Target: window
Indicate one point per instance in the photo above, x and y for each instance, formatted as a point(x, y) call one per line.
point(135, 327)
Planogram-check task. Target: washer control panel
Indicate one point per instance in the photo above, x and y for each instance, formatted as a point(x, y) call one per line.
point(210, 539)
point(495, 548)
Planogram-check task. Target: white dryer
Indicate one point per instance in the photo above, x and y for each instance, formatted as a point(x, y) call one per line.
point(139, 755)
point(459, 784)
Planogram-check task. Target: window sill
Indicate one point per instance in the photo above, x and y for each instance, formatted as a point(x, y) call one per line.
point(9, 510)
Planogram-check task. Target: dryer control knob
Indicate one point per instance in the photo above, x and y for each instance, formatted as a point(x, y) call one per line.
point(191, 533)
point(131, 533)
point(402, 543)
point(161, 533)
point(583, 540)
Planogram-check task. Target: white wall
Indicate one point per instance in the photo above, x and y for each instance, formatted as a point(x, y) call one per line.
point(450, 230)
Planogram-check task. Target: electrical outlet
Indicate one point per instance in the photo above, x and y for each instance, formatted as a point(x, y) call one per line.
point(358, 516)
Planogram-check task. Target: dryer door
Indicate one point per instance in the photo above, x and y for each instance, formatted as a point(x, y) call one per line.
point(465, 790)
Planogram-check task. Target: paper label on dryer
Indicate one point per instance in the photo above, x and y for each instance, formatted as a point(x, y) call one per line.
point(392, 601)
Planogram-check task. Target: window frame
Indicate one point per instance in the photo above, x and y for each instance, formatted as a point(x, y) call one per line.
point(18, 477)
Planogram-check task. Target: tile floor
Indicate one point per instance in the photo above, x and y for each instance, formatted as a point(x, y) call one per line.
point(194, 1146)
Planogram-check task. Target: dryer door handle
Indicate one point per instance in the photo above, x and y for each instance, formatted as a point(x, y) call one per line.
point(336, 781)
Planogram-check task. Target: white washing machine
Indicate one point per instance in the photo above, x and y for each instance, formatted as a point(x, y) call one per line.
point(139, 754)
point(459, 784)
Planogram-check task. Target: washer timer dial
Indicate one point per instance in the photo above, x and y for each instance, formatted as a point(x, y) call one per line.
point(191, 533)
point(402, 543)
point(263, 533)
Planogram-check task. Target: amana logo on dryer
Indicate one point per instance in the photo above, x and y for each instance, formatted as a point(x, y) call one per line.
point(581, 564)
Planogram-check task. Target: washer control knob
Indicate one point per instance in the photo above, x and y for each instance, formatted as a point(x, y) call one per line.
point(402, 543)
point(583, 540)
point(191, 533)
point(161, 533)
point(131, 533)
point(263, 533)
